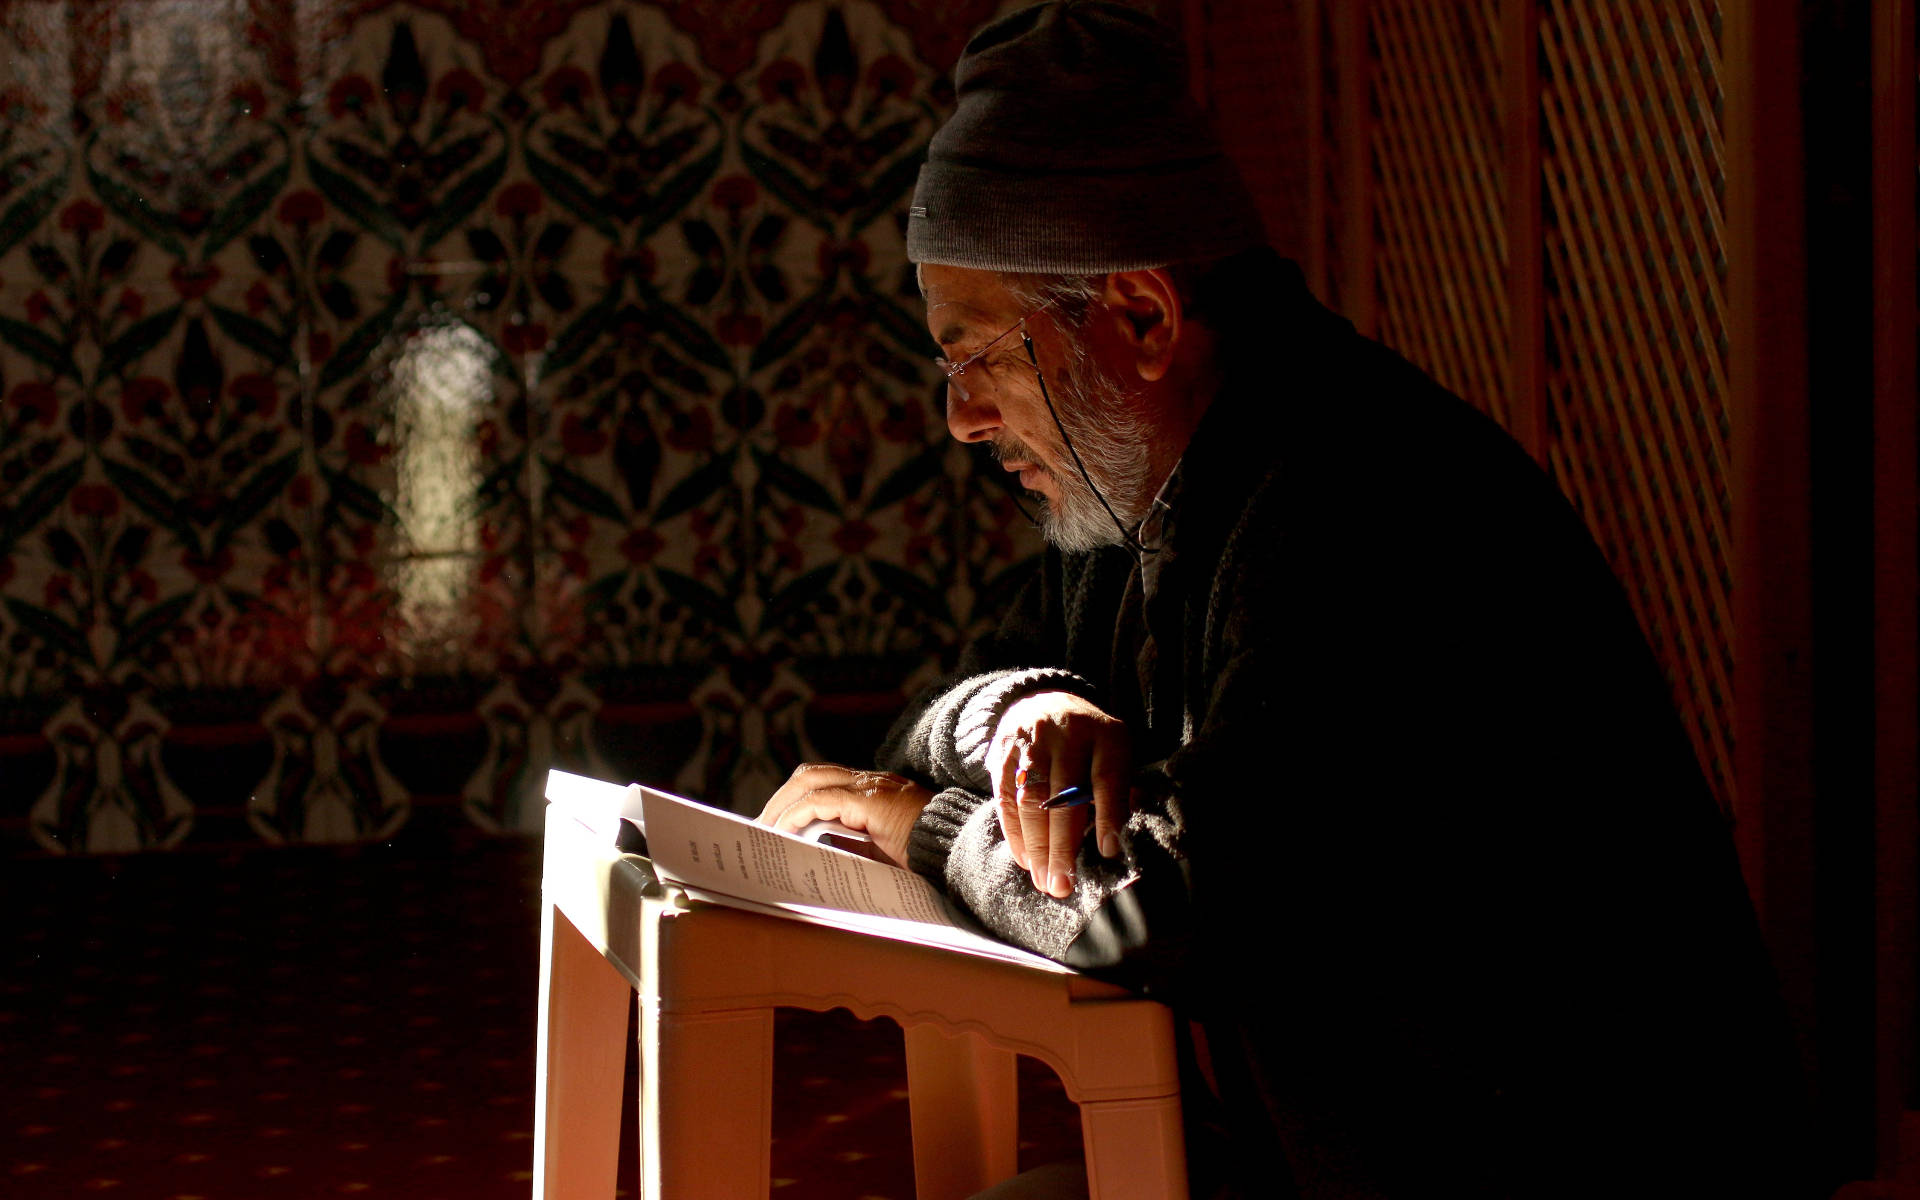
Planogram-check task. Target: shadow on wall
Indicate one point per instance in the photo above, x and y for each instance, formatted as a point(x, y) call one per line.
point(398, 403)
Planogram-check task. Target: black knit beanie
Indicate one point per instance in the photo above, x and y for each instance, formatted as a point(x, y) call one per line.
point(1076, 148)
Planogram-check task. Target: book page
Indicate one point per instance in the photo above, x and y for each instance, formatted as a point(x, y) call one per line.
point(945, 937)
point(710, 850)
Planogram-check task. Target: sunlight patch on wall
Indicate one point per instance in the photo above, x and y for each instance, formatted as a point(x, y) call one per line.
point(439, 389)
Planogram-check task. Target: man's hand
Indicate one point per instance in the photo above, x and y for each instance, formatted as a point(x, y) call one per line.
point(879, 804)
point(1045, 743)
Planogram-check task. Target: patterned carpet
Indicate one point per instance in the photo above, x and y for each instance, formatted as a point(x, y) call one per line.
point(353, 1022)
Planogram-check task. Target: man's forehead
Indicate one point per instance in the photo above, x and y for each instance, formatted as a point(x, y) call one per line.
point(959, 298)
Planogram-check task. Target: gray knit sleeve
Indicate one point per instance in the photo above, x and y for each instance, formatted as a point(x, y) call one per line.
point(958, 842)
point(953, 734)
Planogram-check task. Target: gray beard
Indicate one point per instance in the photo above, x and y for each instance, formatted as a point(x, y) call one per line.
point(1111, 438)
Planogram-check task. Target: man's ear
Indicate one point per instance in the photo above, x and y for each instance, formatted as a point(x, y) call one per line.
point(1149, 306)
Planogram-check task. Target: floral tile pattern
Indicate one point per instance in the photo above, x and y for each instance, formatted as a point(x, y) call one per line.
point(551, 378)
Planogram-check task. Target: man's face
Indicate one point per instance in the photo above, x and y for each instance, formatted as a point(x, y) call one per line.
point(1004, 407)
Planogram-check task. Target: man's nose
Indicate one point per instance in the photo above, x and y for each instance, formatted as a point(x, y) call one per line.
point(971, 416)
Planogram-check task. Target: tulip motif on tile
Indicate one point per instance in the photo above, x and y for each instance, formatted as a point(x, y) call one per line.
point(753, 733)
point(111, 793)
point(327, 782)
point(535, 722)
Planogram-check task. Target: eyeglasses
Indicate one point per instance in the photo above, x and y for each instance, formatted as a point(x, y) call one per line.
point(953, 370)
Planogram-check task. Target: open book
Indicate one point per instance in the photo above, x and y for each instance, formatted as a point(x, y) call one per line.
point(720, 858)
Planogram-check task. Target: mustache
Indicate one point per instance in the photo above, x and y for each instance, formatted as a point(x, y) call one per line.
point(1008, 448)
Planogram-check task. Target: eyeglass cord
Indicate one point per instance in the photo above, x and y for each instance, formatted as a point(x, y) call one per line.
point(1132, 543)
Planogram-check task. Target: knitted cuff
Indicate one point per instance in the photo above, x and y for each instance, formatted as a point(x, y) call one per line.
point(979, 715)
point(931, 839)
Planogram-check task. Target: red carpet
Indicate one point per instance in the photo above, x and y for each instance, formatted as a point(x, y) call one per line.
point(353, 1022)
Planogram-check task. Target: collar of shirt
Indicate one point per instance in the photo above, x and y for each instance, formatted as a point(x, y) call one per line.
point(1155, 531)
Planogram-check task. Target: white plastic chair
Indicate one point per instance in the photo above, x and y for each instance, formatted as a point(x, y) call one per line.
point(709, 979)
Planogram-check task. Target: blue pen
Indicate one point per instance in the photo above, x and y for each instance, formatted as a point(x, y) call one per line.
point(1072, 797)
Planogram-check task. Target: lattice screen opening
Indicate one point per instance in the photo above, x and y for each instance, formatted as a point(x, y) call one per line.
point(1438, 192)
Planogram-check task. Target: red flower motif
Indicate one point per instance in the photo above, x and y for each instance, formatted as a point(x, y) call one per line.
point(641, 545)
point(123, 105)
point(904, 423)
point(676, 82)
point(691, 431)
point(258, 297)
point(919, 549)
point(193, 282)
point(461, 88)
point(890, 76)
point(706, 560)
point(18, 104)
point(39, 308)
point(577, 528)
point(349, 93)
point(524, 337)
point(521, 199)
point(302, 208)
point(915, 512)
point(248, 98)
point(781, 80)
point(59, 590)
point(256, 394)
point(795, 425)
point(208, 567)
point(567, 87)
point(792, 520)
point(575, 564)
point(735, 192)
point(300, 491)
point(579, 439)
point(787, 554)
point(143, 395)
point(853, 537)
point(142, 585)
point(319, 347)
point(94, 500)
point(362, 447)
point(6, 569)
point(853, 255)
point(739, 329)
point(615, 266)
point(131, 304)
point(38, 400)
point(83, 217)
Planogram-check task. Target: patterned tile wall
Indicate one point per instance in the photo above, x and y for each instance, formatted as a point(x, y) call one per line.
point(400, 398)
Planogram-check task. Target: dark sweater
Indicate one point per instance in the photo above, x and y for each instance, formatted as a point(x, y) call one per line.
point(1426, 853)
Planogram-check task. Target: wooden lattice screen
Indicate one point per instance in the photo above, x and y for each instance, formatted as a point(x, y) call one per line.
point(1637, 384)
point(1440, 260)
point(1533, 208)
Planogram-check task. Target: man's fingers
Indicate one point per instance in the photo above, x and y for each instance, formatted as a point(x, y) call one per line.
point(1067, 827)
point(1112, 795)
point(1031, 787)
point(1006, 788)
point(806, 778)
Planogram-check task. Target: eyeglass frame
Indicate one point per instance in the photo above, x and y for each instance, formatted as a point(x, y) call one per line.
point(953, 370)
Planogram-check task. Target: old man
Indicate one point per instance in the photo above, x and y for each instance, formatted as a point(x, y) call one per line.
point(1388, 798)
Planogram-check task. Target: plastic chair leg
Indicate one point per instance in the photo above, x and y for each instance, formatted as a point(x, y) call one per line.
point(1136, 1149)
point(964, 1098)
point(579, 1072)
point(712, 1140)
